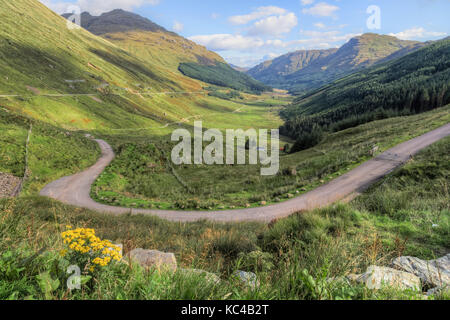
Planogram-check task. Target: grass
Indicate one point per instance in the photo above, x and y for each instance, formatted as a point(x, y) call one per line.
point(293, 257)
point(142, 177)
point(38, 53)
point(52, 152)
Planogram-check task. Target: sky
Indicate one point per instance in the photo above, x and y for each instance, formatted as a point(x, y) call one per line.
point(247, 32)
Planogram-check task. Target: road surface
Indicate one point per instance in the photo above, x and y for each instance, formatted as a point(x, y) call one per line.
point(74, 190)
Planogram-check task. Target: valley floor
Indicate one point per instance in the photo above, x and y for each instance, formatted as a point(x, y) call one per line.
point(75, 190)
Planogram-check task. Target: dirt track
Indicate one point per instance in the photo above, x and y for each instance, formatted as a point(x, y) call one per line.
point(75, 189)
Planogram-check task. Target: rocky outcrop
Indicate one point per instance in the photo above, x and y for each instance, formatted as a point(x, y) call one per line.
point(433, 273)
point(379, 277)
point(154, 259)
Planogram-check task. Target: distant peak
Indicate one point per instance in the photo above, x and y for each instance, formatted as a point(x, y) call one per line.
point(117, 20)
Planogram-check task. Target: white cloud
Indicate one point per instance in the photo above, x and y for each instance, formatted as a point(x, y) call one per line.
point(259, 13)
point(222, 42)
point(96, 7)
point(178, 26)
point(306, 2)
point(326, 37)
point(322, 9)
point(320, 25)
point(274, 25)
point(415, 33)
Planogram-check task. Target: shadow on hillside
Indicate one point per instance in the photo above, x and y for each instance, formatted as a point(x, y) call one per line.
point(39, 68)
point(135, 68)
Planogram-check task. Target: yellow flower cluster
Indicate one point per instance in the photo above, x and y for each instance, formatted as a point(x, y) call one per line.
point(85, 241)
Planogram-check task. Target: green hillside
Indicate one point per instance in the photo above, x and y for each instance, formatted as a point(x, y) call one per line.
point(68, 78)
point(413, 84)
point(221, 74)
point(180, 58)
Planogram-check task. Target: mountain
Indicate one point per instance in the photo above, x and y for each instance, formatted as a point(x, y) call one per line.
point(116, 21)
point(412, 84)
point(273, 71)
point(360, 52)
point(164, 49)
point(76, 80)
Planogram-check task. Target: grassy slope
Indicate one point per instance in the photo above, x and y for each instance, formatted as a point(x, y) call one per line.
point(52, 152)
point(330, 242)
point(139, 177)
point(168, 51)
point(39, 51)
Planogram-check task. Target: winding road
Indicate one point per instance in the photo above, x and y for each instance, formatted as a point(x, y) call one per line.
point(75, 189)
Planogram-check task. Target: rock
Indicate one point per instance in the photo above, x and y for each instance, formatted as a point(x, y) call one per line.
point(154, 259)
point(263, 203)
point(248, 205)
point(377, 277)
point(433, 273)
point(290, 195)
point(277, 200)
point(248, 278)
point(209, 277)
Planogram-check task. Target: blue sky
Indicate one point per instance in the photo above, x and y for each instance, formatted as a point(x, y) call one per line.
point(248, 32)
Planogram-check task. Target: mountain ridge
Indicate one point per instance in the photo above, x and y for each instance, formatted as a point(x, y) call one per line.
point(415, 83)
point(182, 59)
point(117, 20)
point(358, 53)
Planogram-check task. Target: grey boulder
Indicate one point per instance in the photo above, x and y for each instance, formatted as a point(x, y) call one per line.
point(433, 273)
point(154, 259)
point(379, 277)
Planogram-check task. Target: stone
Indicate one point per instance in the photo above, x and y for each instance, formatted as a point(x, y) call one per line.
point(263, 203)
point(290, 195)
point(247, 278)
point(433, 273)
point(209, 277)
point(377, 277)
point(154, 259)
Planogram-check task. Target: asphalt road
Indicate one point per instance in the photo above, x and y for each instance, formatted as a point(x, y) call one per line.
point(74, 190)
